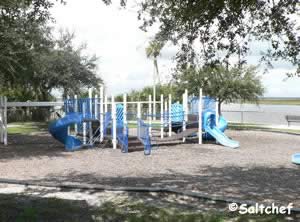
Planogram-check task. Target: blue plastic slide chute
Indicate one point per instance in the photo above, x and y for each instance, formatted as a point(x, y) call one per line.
point(210, 127)
point(296, 158)
point(59, 130)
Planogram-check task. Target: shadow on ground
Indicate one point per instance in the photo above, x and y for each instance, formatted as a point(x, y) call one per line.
point(279, 185)
point(29, 146)
point(15, 207)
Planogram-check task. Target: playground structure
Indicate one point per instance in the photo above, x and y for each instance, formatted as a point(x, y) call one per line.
point(97, 120)
point(3, 120)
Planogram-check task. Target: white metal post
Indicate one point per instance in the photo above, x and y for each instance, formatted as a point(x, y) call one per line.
point(200, 116)
point(114, 122)
point(105, 104)
point(90, 115)
point(161, 116)
point(5, 120)
point(184, 100)
point(170, 115)
point(150, 114)
point(1, 119)
point(84, 123)
point(124, 109)
point(101, 115)
point(69, 129)
point(217, 113)
point(76, 110)
point(139, 116)
point(96, 105)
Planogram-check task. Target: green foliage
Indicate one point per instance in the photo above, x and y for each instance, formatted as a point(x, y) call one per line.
point(32, 62)
point(143, 94)
point(223, 29)
point(223, 84)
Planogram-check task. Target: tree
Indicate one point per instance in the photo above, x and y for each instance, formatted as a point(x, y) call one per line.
point(221, 83)
point(218, 30)
point(153, 51)
point(32, 62)
point(143, 94)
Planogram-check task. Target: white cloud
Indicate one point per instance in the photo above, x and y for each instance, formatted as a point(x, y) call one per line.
point(114, 36)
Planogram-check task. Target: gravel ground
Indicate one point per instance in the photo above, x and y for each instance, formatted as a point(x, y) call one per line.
point(260, 170)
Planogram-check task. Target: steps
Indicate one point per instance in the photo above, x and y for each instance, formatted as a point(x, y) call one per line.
point(134, 144)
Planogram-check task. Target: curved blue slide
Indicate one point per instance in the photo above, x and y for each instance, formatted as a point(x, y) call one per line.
point(216, 132)
point(59, 130)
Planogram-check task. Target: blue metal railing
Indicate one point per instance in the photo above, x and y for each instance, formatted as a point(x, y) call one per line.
point(122, 136)
point(107, 122)
point(143, 136)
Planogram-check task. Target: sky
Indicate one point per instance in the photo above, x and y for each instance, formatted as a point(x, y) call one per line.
point(113, 34)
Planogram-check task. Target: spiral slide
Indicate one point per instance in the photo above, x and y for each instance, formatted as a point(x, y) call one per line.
point(211, 128)
point(59, 130)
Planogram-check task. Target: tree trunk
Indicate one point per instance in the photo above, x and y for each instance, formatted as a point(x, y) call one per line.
point(219, 108)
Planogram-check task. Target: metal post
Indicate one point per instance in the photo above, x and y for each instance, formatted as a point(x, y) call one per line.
point(101, 115)
point(67, 111)
point(84, 123)
point(161, 116)
point(139, 118)
point(76, 110)
point(200, 116)
point(170, 115)
point(1, 119)
point(5, 120)
point(114, 122)
point(217, 113)
point(90, 115)
point(105, 104)
point(185, 107)
point(150, 114)
point(125, 109)
point(96, 104)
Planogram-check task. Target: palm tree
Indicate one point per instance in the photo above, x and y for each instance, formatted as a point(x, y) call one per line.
point(152, 52)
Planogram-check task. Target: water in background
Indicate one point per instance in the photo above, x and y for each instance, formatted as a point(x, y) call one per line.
point(260, 114)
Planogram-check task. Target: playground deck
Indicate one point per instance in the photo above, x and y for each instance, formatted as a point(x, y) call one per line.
point(261, 170)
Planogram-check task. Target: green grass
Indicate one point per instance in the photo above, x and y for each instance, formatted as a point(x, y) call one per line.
point(26, 127)
point(249, 126)
point(25, 208)
point(279, 101)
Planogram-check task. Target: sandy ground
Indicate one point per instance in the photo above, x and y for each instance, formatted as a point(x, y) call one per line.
point(260, 170)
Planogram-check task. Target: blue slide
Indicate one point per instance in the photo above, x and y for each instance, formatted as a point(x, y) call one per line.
point(216, 132)
point(59, 130)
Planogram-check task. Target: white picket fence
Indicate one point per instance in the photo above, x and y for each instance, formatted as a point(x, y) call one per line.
point(3, 120)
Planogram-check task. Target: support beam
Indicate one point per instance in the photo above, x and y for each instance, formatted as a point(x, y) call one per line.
point(5, 120)
point(170, 115)
point(90, 115)
point(101, 115)
point(124, 108)
point(84, 123)
point(150, 115)
point(200, 116)
point(139, 116)
point(162, 116)
point(76, 110)
point(217, 113)
point(114, 122)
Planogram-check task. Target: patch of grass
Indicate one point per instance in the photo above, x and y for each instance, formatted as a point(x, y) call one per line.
point(244, 126)
point(279, 101)
point(26, 127)
point(27, 208)
point(137, 211)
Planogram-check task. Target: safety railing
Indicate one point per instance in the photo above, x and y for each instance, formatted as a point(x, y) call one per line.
point(122, 136)
point(143, 136)
point(106, 123)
